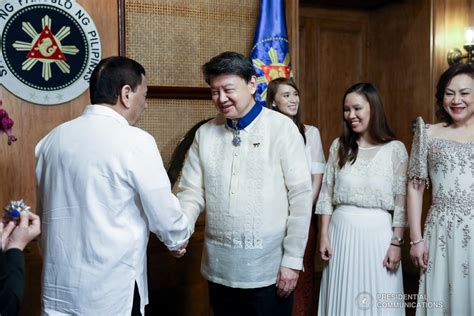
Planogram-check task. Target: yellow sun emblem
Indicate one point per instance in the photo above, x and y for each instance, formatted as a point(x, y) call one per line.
point(275, 70)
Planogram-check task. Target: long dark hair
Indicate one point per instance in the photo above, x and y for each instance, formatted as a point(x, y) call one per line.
point(444, 80)
point(272, 90)
point(379, 130)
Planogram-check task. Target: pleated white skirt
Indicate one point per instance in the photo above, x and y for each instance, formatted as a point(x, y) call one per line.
point(355, 282)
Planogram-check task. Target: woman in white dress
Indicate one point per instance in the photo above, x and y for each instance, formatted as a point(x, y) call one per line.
point(443, 154)
point(365, 178)
point(283, 96)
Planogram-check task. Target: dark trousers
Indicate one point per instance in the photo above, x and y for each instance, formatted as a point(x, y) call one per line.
point(264, 301)
point(136, 302)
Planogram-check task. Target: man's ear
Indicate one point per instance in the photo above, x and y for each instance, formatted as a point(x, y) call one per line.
point(125, 95)
point(252, 84)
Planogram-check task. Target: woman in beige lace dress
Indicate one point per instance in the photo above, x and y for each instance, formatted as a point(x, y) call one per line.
point(443, 156)
point(365, 177)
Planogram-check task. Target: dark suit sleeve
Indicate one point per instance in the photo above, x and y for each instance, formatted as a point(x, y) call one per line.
point(12, 269)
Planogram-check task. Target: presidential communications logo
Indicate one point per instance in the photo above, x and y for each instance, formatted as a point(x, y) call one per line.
point(49, 49)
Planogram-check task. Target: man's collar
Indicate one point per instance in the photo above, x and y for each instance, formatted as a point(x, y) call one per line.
point(246, 119)
point(105, 110)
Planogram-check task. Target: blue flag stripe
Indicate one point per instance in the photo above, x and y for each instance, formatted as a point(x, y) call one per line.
point(270, 52)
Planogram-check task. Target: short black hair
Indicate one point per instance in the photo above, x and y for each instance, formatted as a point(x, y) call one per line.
point(110, 75)
point(228, 63)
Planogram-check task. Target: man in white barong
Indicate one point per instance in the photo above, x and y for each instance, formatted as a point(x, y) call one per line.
point(247, 167)
point(101, 189)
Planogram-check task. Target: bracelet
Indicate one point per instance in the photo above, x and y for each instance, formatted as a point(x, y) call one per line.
point(399, 246)
point(398, 239)
point(416, 241)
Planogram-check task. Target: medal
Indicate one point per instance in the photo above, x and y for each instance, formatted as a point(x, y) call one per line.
point(236, 139)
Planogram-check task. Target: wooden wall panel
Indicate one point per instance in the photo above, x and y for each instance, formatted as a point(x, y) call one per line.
point(172, 39)
point(292, 19)
point(400, 54)
point(333, 56)
point(400, 64)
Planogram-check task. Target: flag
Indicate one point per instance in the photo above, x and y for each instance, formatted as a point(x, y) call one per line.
point(270, 54)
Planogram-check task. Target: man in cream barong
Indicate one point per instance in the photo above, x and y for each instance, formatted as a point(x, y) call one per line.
point(101, 189)
point(247, 167)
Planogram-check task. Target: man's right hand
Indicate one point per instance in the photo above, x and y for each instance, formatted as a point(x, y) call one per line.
point(286, 281)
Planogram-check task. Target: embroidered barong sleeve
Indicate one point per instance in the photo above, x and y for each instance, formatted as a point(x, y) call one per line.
point(318, 163)
point(191, 184)
point(324, 206)
point(400, 165)
point(298, 182)
point(418, 166)
point(160, 206)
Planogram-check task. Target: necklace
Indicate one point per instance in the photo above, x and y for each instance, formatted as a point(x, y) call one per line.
point(235, 132)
